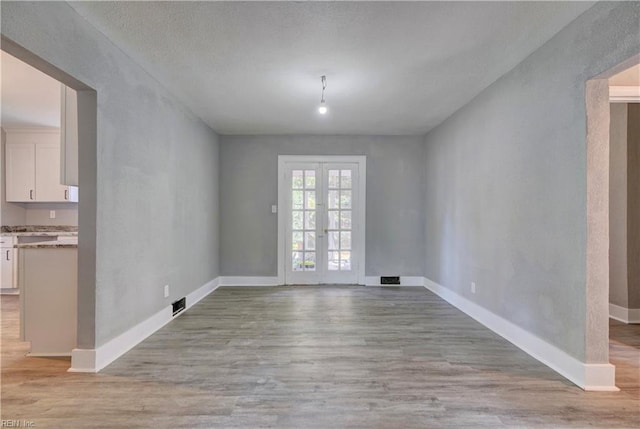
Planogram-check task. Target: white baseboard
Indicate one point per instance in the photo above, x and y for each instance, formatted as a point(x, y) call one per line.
point(596, 377)
point(600, 377)
point(248, 281)
point(618, 313)
point(49, 354)
point(623, 314)
point(201, 292)
point(275, 281)
point(404, 281)
point(93, 360)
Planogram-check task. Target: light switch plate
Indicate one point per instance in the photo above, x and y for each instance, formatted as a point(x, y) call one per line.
point(52, 214)
point(274, 209)
point(166, 291)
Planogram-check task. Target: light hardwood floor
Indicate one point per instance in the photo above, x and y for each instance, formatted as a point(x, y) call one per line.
point(316, 357)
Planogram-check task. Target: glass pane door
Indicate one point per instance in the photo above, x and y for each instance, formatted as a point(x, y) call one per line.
point(322, 203)
point(303, 226)
point(341, 196)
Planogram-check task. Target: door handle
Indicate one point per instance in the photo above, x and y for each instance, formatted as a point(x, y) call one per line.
point(8, 256)
point(30, 194)
point(66, 194)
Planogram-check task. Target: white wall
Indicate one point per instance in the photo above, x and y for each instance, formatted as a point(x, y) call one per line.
point(38, 214)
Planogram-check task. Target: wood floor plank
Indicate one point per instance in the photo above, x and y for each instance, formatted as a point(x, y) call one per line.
point(316, 357)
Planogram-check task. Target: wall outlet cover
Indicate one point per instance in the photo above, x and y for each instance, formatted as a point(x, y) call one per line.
point(52, 214)
point(473, 287)
point(166, 291)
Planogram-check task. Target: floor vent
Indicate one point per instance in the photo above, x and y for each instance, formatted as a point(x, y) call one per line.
point(179, 305)
point(390, 280)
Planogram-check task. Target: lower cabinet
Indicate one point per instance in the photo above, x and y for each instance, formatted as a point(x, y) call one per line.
point(8, 264)
point(49, 290)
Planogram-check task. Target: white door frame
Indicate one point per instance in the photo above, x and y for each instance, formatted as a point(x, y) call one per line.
point(359, 223)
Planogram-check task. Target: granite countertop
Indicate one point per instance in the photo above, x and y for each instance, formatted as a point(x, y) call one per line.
point(62, 243)
point(39, 230)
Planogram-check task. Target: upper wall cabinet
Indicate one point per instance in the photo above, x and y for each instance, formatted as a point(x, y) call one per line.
point(33, 168)
point(69, 137)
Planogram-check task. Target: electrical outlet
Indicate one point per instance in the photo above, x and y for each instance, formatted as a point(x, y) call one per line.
point(166, 291)
point(473, 287)
point(52, 214)
point(274, 209)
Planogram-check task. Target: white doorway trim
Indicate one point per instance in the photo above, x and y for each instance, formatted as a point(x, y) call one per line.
point(361, 160)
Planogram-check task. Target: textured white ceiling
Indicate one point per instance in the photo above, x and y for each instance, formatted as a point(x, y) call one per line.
point(392, 67)
point(29, 98)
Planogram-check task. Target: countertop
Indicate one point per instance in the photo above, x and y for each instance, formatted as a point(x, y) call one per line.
point(61, 243)
point(39, 230)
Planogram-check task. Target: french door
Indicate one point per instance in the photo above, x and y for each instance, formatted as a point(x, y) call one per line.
point(322, 222)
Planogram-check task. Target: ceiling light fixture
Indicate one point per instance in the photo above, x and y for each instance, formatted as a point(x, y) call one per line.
point(323, 105)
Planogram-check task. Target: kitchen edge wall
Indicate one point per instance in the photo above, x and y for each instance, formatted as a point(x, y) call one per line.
point(633, 204)
point(10, 213)
point(38, 214)
point(505, 183)
point(394, 206)
point(618, 272)
point(157, 172)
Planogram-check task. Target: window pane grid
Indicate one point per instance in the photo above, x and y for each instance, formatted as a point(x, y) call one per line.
point(339, 220)
point(303, 236)
point(339, 206)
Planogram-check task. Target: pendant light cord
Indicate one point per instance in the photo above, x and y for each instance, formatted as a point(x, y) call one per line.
point(324, 86)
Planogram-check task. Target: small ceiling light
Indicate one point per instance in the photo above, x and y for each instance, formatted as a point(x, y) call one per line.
point(323, 104)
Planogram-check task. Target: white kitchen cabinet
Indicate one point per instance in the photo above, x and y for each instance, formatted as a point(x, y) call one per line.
point(7, 268)
point(33, 168)
point(48, 187)
point(8, 265)
point(21, 172)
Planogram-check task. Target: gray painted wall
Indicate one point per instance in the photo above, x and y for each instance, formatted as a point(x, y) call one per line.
point(618, 291)
point(633, 204)
point(505, 182)
point(157, 172)
point(10, 213)
point(249, 186)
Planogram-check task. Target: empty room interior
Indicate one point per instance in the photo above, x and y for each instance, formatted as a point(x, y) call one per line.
point(320, 214)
